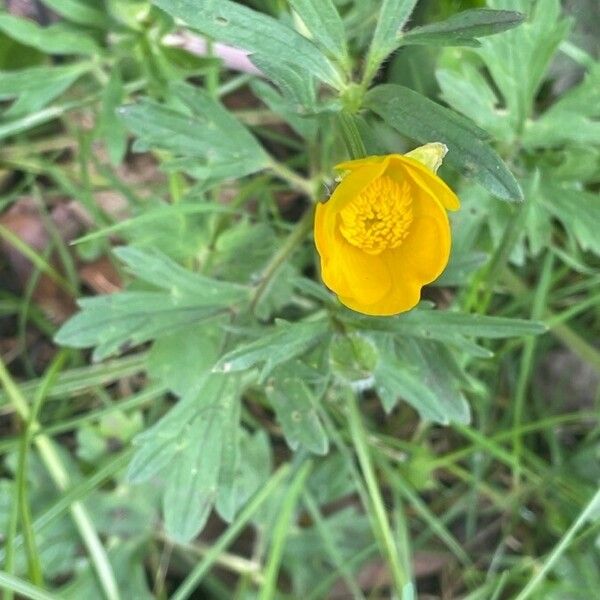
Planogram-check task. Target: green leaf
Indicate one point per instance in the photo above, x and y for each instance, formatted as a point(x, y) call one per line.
point(37, 86)
point(426, 121)
point(353, 357)
point(227, 500)
point(159, 270)
point(450, 327)
point(444, 324)
point(287, 342)
point(392, 17)
point(518, 60)
point(324, 23)
point(255, 32)
point(461, 267)
point(463, 28)
point(185, 448)
point(574, 118)
point(252, 466)
point(578, 210)
point(178, 360)
point(111, 128)
point(297, 85)
point(277, 345)
point(466, 89)
point(204, 137)
point(287, 105)
point(128, 318)
point(55, 39)
point(117, 322)
point(83, 12)
point(294, 405)
point(424, 375)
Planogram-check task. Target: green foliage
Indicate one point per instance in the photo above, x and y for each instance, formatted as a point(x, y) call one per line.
point(325, 25)
point(565, 128)
point(253, 31)
point(423, 120)
point(464, 28)
point(241, 400)
point(55, 39)
point(122, 320)
point(204, 138)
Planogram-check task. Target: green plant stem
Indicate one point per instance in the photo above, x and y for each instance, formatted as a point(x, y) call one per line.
point(33, 559)
point(232, 562)
point(75, 493)
point(421, 508)
point(485, 280)
point(296, 181)
point(539, 305)
point(195, 577)
point(359, 438)
point(295, 238)
point(59, 475)
point(36, 259)
point(11, 584)
point(592, 507)
point(280, 532)
point(457, 455)
point(351, 135)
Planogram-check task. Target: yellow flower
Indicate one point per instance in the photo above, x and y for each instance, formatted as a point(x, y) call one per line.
point(384, 233)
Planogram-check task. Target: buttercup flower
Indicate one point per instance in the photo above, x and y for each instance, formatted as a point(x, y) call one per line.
point(384, 233)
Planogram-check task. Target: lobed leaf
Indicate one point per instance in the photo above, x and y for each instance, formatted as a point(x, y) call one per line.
point(294, 405)
point(204, 137)
point(129, 318)
point(444, 324)
point(425, 375)
point(281, 344)
point(186, 449)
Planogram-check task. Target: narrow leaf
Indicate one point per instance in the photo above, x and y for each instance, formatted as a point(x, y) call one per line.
point(324, 23)
point(393, 15)
point(441, 324)
point(283, 343)
point(463, 28)
point(426, 121)
point(250, 30)
point(54, 39)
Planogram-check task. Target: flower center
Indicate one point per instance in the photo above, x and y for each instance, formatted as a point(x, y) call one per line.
point(379, 217)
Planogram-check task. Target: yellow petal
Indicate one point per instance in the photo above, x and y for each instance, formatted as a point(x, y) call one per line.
point(326, 214)
point(356, 181)
point(352, 165)
point(391, 304)
point(352, 273)
point(423, 254)
point(425, 179)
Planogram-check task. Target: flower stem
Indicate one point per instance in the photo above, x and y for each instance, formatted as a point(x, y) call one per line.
point(295, 238)
point(352, 137)
point(296, 181)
